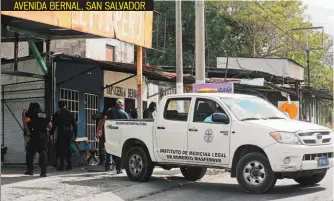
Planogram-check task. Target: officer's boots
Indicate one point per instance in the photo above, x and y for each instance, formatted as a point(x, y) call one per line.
point(27, 172)
point(43, 172)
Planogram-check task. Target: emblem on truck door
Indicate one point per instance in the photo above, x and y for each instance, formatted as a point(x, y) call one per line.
point(208, 136)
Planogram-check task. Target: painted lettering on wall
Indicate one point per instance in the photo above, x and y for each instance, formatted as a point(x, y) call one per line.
point(116, 91)
point(121, 92)
point(132, 93)
point(210, 157)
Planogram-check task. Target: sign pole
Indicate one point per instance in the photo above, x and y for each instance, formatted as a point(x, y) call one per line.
point(139, 80)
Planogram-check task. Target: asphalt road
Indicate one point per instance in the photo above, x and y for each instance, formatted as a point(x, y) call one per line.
point(164, 186)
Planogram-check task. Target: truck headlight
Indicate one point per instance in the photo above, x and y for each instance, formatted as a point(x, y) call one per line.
point(286, 137)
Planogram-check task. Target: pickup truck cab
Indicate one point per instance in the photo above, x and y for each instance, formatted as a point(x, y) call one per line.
point(243, 134)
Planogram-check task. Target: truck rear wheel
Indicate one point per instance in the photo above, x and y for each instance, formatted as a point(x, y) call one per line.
point(138, 165)
point(312, 180)
point(193, 173)
point(254, 173)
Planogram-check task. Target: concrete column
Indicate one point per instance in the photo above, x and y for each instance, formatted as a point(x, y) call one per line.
point(200, 42)
point(179, 58)
point(139, 81)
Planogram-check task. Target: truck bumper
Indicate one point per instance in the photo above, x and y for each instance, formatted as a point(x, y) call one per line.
point(293, 158)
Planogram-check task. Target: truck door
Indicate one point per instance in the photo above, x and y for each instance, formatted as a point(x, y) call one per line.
point(208, 142)
point(172, 129)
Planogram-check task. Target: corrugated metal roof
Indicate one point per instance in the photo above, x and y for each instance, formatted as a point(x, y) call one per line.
point(150, 72)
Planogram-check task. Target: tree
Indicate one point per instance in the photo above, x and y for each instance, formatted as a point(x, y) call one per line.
point(247, 29)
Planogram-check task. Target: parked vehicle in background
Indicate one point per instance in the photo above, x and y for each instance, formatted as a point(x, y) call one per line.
point(243, 134)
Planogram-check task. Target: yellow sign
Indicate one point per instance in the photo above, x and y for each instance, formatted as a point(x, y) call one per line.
point(134, 27)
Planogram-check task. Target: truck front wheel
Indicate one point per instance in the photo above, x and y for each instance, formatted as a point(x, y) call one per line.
point(312, 180)
point(138, 165)
point(193, 173)
point(254, 173)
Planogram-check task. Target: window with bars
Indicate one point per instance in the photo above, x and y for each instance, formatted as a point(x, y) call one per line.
point(91, 108)
point(71, 98)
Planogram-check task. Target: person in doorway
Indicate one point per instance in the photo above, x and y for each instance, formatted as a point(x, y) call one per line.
point(304, 118)
point(65, 123)
point(148, 113)
point(38, 142)
point(114, 113)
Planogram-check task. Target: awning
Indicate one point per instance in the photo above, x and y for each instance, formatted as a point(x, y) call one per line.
point(150, 72)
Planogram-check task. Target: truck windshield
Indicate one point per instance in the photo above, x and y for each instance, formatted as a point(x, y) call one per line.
point(252, 108)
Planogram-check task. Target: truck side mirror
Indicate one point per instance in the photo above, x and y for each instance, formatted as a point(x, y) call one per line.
point(220, 117)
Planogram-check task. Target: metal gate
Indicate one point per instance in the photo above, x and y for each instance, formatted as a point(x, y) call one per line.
point(91, 108)
point(17, 96)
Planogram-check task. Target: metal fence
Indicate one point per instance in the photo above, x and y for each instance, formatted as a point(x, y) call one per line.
point(22, 82)
point(16, 97)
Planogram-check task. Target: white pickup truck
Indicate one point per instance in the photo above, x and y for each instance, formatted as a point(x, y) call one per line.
point(243, 134)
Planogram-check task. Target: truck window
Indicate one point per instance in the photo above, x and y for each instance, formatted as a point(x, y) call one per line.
point(204, 108)
point(177, 109)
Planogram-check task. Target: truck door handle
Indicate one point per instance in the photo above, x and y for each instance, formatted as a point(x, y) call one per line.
point(161, 127)
point(193, 129)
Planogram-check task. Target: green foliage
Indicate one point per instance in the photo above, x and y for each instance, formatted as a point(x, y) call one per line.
point(247, 29)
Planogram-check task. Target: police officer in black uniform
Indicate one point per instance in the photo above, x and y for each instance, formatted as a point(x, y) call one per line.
point(38, 142)
point(67, 129)
point(148, 113)
point(116, 112)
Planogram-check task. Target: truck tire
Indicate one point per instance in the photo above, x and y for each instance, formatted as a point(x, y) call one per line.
point(138, 165)
point(254, 173)
point(193, 173)
point(312, 180)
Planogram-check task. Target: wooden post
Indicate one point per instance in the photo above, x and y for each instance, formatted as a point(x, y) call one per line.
point(139, 80)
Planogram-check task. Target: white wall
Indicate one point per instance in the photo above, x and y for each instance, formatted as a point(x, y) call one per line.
point(96, 49)
point(111, 77)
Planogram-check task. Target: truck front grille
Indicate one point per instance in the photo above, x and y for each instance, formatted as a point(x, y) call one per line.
point(311, 157)
point(315, 137)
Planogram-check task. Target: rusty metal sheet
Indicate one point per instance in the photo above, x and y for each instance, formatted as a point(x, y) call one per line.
point(134, 27)
point(54, 18)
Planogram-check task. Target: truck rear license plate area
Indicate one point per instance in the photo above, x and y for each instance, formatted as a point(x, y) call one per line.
point(323, 161)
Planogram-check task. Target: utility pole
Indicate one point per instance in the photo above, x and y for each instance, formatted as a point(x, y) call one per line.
point(179, 59)
point(308, 74)
point(308, 60)
point(200, 41)
point(307, 50)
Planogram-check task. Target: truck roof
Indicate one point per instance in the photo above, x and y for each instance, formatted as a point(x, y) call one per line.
point(210, 95)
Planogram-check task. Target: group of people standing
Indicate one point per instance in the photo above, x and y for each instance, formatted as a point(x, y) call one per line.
point(37, 124)
point(117, 112)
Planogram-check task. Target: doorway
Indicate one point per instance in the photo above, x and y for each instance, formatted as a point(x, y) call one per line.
point(130, 104)
point(109, 103)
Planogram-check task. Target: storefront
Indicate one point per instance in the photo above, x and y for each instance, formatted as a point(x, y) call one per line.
point(126, 90)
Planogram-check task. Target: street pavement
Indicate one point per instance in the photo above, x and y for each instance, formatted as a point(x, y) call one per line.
point(88, 185)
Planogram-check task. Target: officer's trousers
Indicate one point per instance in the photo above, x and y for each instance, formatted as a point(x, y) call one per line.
point(105, 158)
point(63, 149)
point(37, 143)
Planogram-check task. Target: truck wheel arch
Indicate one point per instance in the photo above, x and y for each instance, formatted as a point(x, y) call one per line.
point(132, 142)
point(240, 152)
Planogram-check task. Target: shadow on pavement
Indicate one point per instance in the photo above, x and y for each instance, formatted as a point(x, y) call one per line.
point(234, 192)
point(170, 185)
point(14, 174)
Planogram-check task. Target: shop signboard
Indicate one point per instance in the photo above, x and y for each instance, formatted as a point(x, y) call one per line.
point(131, 27)
point(122, 90)
point(224, 87)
